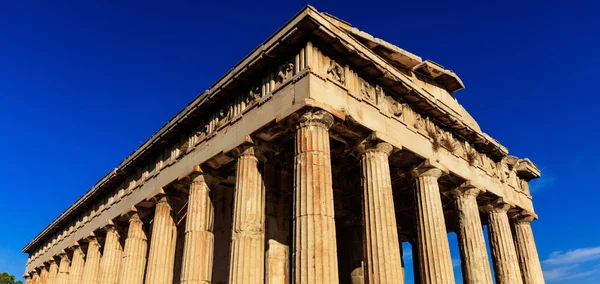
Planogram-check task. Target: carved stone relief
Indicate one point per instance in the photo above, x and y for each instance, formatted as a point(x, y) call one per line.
point(285, 72)
point(368, 91)
point(336, 72)
point(393, 107)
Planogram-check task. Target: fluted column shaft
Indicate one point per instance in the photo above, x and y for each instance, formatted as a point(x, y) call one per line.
point(527, 251)
point(435, 263)
point(382, 249)
point(35, 278)
point(248, 234)
point(133, 264)
point(199, 238)
point(28, 279)
point(471, 242)
point(92, 263)
point(504, 255)
point(111, 259)
point(161, 260)
point(77, 266)
point(43, 275)
point(64, 270)
point(315, 252)
point(52, 272)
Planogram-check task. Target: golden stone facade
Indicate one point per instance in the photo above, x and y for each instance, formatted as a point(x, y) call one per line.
point(309, 162)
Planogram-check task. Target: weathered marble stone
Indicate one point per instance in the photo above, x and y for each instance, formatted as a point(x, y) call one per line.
point(77, 265)
point(27, 278)
point(92, 262)
point(35, 278)
point(52, 272)
point(248, 234)
point(382, 249)
point(111, 258)
point(504, 255)
point(161, 258)
point(435, 262)
point(315, 252)
point(529, 260)
point(133, 264)
point(199, 238)
point(471, 242)
point(63, 270)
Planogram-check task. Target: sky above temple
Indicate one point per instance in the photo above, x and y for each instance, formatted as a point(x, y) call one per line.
point(83, 85)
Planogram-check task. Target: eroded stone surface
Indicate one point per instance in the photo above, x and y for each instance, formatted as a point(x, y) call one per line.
point(199, 238)
point(315, 250)
point(382, 252)
point(248, 236)
point(133, 264)
point(161, 258)
point(504, 254)
point(529, 260)
point(435, 262)
point(473, 252)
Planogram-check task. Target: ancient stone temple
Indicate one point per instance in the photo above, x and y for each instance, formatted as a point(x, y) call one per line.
point(311, 161)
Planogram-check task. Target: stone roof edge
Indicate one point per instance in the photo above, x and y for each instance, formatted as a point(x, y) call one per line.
point(180, 116)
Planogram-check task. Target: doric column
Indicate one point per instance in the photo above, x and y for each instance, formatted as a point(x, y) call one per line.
point(52, 272)
point(382, 248)
point(77, 265)
point(248, 234)
point(526, 250)
point(27, 278)
point(315, 252)
point(64, 269)
point(92, 262)
point(161, 259)
point(199, 239)
point(473, 252)
point(43, 275)
point(435, 262)
point(133, 264)
point(35, 277)
point(111, 258)
point(504, 255)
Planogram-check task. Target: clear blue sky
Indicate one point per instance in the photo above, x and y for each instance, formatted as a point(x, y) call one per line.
point(83, 85)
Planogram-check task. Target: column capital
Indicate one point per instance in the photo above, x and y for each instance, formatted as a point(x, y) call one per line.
point(374, 146)
point(132, 211)
point(467, 188)
point(110, 226)
point(160, 197)
point(246, 150)
point(496, 206)
point(63, 254)
point(312, 117)
point(199, 179)
point(91, 238)
point(429, 168)
point(75, 245)
point(26, 276)
point(523, 217)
